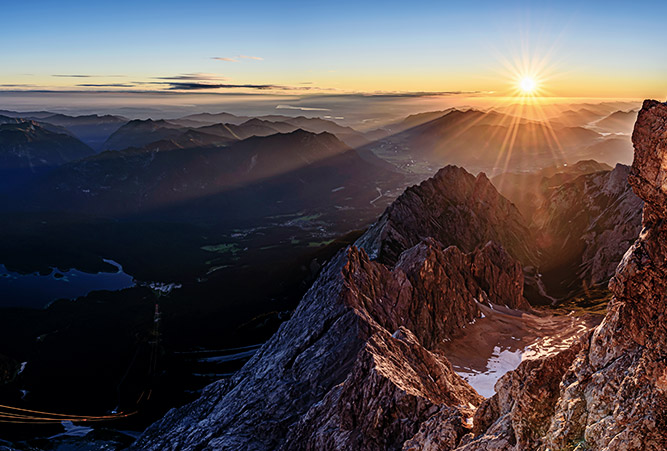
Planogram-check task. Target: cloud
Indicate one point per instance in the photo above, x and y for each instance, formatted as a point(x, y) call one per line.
point(84, 76)
point(199, 86)
point(301, 108)
point(418, 94)
point(195, 77)
point(109, 85)
point(236, 58)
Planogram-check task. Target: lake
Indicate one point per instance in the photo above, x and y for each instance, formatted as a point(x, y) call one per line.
point(37, 291)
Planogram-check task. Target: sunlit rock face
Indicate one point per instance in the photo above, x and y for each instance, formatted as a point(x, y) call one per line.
point(611, 395)
point(615, 394)
point(518, 416)
point(394, 388)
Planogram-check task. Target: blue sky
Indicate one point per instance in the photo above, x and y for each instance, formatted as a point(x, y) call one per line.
point(606, 49)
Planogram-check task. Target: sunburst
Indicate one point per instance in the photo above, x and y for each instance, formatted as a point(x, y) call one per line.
point(528, 85)
point(525, 104)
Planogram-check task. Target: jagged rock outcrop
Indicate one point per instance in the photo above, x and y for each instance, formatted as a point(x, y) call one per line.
point(518, 416)
point(440, 432)
point(385, 399)
point(500, 276)
point(613, 396)
point(356, 366)
point(455, 208)
point(584, 227)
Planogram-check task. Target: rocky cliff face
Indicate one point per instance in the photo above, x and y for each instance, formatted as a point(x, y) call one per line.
point(530, 190)
point(584, 227)
point(395, 386)
point(357, 365)
point(613, 394)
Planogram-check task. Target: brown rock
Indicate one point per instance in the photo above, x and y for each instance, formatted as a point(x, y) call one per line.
point(615, 392)
point(518, 416)
point(500, 276)
point(395, 386)
point(442, 432)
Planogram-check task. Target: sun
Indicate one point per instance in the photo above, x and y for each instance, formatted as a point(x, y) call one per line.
point(528, 85)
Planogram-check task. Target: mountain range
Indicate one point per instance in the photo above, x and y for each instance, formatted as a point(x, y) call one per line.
point(618, 122)
point(28, 149)
point(245, 212)
point(492, 141)
point(358, 365)
point(251, 178)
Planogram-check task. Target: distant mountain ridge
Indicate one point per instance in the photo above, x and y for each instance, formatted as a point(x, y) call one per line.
point(139, 133)
point(618, 122)
point(26, 144)
point(91, 129)
point(489, 141)
point(230, 182)
point(528, 190)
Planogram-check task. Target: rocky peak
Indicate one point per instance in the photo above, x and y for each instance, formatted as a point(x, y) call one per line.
point(649, 169)
point(455, 208)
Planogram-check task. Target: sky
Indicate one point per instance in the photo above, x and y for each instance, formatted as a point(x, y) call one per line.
point(573, 49)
